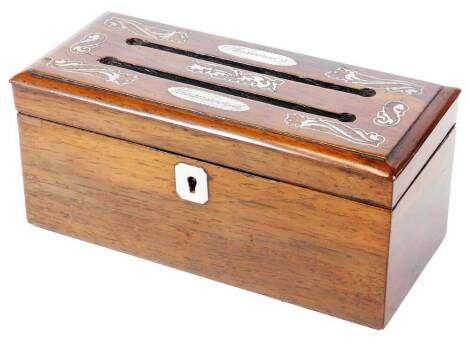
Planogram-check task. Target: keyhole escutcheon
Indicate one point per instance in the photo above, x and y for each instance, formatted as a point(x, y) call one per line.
point(191, 183)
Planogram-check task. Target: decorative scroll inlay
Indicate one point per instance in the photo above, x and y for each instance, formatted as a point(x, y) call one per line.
point(353, 76)
point(144, 30)
point(209, 99)
point(355, 135)
point(107, 74)
point(391, 113)
point(257, 55)
point(217, 71)
point(88, 43)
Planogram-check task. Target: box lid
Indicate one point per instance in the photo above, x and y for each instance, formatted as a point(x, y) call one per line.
point(316, 123)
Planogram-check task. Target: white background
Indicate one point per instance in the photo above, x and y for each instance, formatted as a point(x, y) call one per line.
point(57, 289)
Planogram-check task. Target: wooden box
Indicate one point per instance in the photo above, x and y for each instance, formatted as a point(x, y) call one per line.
point(311, 181)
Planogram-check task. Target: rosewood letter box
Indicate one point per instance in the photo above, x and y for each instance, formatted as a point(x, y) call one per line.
point(314, 182)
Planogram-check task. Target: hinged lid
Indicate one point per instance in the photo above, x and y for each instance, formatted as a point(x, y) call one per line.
point(320, 124)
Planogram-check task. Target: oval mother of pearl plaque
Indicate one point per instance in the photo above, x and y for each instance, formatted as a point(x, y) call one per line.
point(208, 99)
point(257, 55)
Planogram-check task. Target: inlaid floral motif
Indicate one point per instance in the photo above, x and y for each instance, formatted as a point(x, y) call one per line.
point(352, 76)
point(335, 128)
point(107, 74)
point(144, 30)
point(221, 72)
point(391, 113)
point(88, 43)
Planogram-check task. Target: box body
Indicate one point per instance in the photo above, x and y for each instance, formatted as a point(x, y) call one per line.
point(336, 230)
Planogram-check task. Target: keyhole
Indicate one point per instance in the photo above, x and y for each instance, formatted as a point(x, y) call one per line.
point(192, 182)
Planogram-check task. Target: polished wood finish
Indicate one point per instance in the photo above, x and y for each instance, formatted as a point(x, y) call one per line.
point(261, 115)
point(340, 217)
point(419, 223)
point(288, 242)
point(406, 170)
point(298, 245)
point(287, 159)
point(261, 141)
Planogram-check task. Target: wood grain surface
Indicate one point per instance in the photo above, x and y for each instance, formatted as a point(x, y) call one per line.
point(117, 29)
point(358, 160)
point(298, 245)
point(419, 224)
point(333, 255)
point(333, 215)
point(287, 159)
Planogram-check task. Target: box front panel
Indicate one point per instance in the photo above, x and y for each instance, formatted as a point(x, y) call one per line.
point(305, 247)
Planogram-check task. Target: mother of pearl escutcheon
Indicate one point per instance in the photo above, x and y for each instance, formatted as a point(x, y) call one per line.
point(257, 55)
point(208, 99)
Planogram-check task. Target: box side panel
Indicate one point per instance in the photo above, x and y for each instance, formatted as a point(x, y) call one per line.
point(419, 225)
point(298, 245)
point(427, 149)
